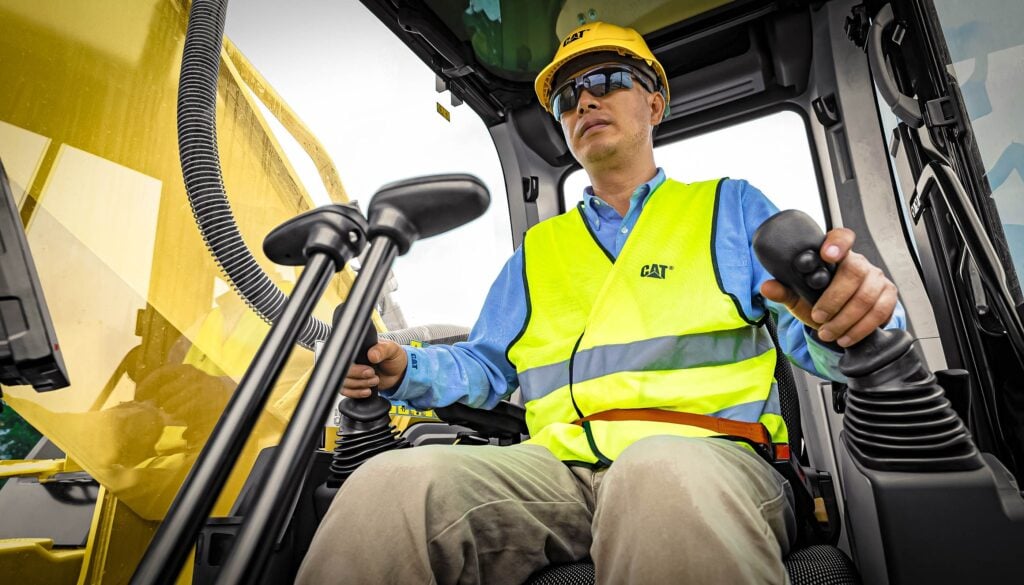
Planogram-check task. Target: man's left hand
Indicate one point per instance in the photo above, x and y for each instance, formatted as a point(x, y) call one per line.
point(859, 299)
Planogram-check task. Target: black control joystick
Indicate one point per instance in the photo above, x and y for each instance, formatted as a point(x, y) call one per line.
point(897, 416)
point(366, 428)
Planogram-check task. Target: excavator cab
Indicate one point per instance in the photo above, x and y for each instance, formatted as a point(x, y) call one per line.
point(154, 303)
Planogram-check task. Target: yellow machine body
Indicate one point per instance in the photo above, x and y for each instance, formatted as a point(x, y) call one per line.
point(155, 340)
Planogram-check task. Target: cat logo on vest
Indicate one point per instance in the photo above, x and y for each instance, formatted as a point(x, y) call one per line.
point(655, 270)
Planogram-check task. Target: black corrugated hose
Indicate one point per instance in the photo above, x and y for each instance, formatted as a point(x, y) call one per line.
point(200, 165)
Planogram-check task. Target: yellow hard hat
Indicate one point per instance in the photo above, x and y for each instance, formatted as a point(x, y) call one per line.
point(590, 38)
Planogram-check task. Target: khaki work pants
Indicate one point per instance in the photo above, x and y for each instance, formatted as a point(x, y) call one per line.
point(669, 510)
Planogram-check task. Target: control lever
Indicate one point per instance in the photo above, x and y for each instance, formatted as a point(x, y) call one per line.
point(897, 416)
point(359, 411)
point(400, 213)
point(788, 246)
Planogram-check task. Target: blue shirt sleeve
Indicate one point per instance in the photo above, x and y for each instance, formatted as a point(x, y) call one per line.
point(741, 210)
point(477, 371)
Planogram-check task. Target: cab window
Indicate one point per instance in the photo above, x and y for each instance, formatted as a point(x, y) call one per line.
point(772, 153)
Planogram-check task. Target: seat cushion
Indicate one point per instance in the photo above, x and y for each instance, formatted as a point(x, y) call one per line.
point(815, 565)
point(581, 573)
point(821, 564)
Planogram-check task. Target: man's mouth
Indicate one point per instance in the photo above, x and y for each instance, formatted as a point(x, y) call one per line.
point(591, 125)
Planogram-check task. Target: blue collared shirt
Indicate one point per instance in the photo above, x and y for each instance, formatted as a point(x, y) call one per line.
point(477, 371)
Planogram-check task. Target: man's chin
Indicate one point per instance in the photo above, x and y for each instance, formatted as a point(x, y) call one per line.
point(597, 155)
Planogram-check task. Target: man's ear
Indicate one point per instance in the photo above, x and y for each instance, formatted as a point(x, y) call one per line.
point(657, 107)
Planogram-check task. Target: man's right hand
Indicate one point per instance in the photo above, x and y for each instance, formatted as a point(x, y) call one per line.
point(389, 361)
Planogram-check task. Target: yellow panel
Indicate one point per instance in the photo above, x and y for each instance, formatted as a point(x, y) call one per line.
point(155, 341)
point(21, 152)
point(34, 561)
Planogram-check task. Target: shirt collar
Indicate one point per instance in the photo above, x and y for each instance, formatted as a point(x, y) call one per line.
point(590, 201)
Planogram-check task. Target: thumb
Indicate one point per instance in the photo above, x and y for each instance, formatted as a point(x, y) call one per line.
point(774, 290)
point(383, 351)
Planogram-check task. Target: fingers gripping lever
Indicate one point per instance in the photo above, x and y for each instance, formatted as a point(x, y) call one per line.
point(788, 246)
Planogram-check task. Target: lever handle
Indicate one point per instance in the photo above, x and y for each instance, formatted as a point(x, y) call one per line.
point(372, 408)
point(788, 245)
point(369, 340)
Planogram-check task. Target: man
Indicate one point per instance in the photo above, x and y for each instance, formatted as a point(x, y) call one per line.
point(617, 340)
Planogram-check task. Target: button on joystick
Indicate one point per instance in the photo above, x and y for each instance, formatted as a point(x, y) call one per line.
point(807, 262)
point(819, 279)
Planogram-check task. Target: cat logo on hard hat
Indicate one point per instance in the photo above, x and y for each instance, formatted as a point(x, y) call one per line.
point(574, 37)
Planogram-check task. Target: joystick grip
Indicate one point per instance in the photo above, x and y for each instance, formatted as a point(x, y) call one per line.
point(369, 340)
point(788, 246)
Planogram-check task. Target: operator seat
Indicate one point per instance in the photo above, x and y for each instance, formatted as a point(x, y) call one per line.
point(819, 564)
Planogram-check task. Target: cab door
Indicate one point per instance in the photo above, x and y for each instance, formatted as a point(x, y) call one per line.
point(949, 75)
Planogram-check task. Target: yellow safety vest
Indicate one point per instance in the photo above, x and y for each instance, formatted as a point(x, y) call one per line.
point(651, 329)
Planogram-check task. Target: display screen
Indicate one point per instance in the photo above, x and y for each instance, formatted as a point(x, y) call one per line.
point(29, 353)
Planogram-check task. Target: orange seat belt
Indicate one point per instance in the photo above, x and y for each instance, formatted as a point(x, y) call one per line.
point(753, 432)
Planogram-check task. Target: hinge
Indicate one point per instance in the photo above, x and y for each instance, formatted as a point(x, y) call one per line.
point(531, 189)
point(826, 110)
point(918, 203)
point(941, 111)
point(857, 25)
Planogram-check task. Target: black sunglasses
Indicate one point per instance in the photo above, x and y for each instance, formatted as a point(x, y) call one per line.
point(599, 81)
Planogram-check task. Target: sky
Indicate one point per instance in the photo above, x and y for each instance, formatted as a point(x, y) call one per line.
point(372, 104)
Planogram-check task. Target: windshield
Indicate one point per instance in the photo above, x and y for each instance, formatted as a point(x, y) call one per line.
point(986, 47)
point(385, 130)
point(517, 39)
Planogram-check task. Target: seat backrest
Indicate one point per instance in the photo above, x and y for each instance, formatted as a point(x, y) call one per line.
point(789, 400)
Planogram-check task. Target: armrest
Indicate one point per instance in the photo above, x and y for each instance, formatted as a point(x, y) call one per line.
point(506, 419)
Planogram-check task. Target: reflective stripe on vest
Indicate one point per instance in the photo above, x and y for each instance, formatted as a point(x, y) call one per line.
point(651, 329)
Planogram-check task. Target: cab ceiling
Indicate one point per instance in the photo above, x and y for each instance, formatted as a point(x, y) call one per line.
point(739, 56)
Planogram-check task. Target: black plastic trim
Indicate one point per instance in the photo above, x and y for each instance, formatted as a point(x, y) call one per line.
point(529, 311)
point(583, 216)
point(714, 256)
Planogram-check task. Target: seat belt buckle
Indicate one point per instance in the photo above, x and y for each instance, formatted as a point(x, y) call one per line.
point(781, 451)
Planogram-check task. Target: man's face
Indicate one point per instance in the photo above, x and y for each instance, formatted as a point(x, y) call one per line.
point(603, 131)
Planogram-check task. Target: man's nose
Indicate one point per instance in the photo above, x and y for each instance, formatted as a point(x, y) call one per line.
point(587, 101)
